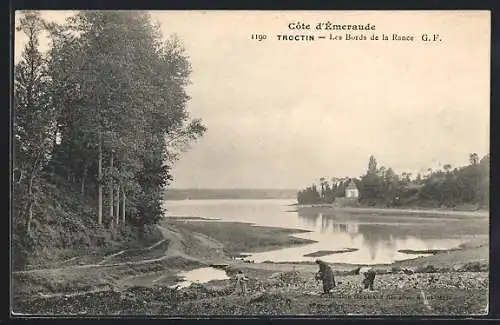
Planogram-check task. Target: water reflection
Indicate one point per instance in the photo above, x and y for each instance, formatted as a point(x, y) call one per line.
point(312, 221)
point(377, 236)
point(377, 241)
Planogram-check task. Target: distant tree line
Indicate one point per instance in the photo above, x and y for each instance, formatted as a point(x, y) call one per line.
point(326, 193)
point(101, 116)
point(381, 186)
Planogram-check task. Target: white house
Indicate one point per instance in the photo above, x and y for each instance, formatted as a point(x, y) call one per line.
point(351, 190)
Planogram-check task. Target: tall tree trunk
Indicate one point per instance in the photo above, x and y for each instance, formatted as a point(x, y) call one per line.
point(53, 173)
point(117, 212)
point(123, 206)
point(54, 142)
point(29, 216)
point(52, 167)
point(18, 175)
point(70, 154)
point(84, 177)
point(111, 203)
point(99, 177)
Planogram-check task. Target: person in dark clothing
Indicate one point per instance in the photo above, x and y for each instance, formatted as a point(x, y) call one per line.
point(325, 274)
point(369, 279)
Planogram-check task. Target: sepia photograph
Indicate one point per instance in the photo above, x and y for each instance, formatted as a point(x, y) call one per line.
point(250, 163)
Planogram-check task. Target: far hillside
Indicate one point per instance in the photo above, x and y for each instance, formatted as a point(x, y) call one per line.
point(213, 194)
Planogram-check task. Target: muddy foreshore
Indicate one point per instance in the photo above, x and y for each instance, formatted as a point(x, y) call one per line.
point(138, 282)
point(284, 293)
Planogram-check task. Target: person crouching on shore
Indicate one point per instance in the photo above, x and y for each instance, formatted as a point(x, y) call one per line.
point(368, 278)
point(325, 274)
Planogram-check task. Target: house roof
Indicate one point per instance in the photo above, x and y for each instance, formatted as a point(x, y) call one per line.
point(351, 186)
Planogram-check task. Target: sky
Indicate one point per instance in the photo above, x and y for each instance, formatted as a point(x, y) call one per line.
point(282, 114)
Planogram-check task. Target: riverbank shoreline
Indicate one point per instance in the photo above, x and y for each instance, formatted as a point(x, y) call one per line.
point(332, 207)
point(188, 245)
point(229, 240)
point(472, 250)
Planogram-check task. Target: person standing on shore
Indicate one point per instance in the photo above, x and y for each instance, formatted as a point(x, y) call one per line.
point(325, 273)
point(241, 283)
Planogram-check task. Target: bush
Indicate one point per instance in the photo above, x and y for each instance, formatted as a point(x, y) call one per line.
point(475, 267)
point(395, 269)
point(426, 269)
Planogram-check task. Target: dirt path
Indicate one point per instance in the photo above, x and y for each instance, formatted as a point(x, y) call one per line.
point(181, 246)
point(176, 247)
point(86, 266)
point(156, 244)
point(77, 293)
point(107, 258)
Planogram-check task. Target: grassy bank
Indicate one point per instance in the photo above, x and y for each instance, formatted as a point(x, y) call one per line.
point(64, 230)
point(109, 242)
point(237, 237)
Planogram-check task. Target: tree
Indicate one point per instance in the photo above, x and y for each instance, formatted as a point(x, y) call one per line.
point(381, 172)
point(78, 71)
point(334, 188)
point(309, 195)
point(126, 104)
point(473, 159)
point(322, 182)
point(372, 166)
point(391, 185)
point(371, 182)
point(35, 115)
point(342, 185)
point(99, 121)
point(418, 179)
point(484, 183)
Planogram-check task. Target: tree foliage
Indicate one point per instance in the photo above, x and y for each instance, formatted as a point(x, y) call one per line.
point(104, 110)
point(446, 187)
point(34, 121)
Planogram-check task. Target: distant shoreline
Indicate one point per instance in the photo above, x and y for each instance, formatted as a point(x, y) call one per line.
point(477, 213)
point(444, 211)
point(176, 194)
point(229, 198)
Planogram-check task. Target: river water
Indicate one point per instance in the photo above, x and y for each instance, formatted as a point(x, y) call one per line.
point(200, 275)
point(377, 236)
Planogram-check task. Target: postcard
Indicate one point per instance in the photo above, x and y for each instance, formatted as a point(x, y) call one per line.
point(250, 163)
